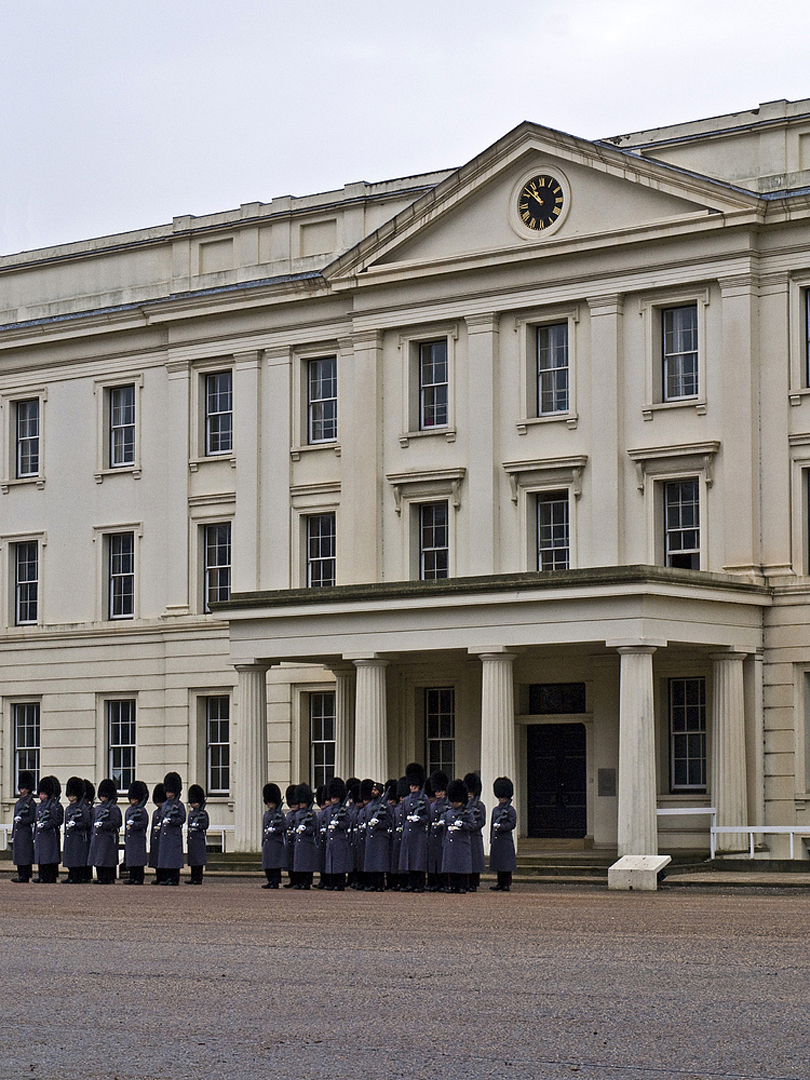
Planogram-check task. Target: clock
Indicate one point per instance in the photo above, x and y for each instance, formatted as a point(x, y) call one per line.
point(540, 202)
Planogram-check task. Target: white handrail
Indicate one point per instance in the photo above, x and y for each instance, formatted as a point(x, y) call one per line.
point(763, 830)
point(691, 810)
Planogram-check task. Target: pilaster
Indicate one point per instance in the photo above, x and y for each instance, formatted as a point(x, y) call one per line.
point(481, 503)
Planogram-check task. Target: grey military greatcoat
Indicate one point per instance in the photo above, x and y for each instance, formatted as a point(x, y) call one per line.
point(107, 823)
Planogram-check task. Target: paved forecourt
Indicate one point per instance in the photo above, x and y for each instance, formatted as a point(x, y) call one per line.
point(230, 982)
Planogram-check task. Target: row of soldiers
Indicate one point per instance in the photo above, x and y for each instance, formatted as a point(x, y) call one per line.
point(412, 835)
point(92, 829)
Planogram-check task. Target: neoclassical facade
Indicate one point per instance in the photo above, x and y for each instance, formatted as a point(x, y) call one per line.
point(503, 468)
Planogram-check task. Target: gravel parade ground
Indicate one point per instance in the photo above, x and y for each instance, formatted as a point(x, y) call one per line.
point(230, 982)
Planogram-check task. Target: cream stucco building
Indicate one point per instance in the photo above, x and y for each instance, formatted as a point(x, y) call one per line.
point(503, 468)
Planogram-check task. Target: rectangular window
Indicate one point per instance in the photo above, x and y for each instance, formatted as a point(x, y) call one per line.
point(322, 745)
point(122, 426)
point(26, 583)
point(434, 541)
point(218, 744)
point(321, 550)
point(121, 577)
point(679, 326)
point(121, 743)
point(440, 729)
point(552, 699)
point(552, 530)
point(552, 369)
point(217, 572)
point(25, 717)
point(682, 524)
point(322, 399)
point(27, 438)
point(219, 413)
point(687, 734)
point(807, 337)
point(433, 384)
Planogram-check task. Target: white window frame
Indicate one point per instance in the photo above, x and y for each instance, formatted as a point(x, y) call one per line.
point(543, 497)
point(418, 510)
point(205, 701)
point(301, 357)
point(12, 704)
point(324, 766)
point(103, 390)
point(448, 766)
point(211, 571)
point(651, 310)
point(9, 542)
point(413, 488)
point(409, 344)
point(204, 510)
point(102, 533)
point(316, 403)
point(534, 477)
point(309, 562)
point(102, 748)
point(19, 585)
point(209, 414)
point(9, 402)
point(682, 789)
point(526, 328)
point(665, 486)
point(110, 704)
point(798, 335)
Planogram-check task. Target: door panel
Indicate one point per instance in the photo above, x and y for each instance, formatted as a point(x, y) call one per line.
point(556, 781)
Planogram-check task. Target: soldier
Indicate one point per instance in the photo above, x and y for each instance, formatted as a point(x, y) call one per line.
point(338, 856)
point(172, 819)
point(107, 822)
point(89, 800)
point(289, 826)
point(198, 825)
point(158, 798)
point(438, 808)
point(379, 823)
point(307, 838)
point(459, 827)
point(136, 826)
point(22, 829)
point(479, 812)
point(397, 790)
point(413, 854)
point(501, 842)
point(78, 825)
point(274, 851)
point(47, 837)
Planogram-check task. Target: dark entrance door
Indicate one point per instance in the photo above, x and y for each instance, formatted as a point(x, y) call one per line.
point(556, 786)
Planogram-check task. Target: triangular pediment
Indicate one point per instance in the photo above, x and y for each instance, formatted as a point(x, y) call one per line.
point(604, 195)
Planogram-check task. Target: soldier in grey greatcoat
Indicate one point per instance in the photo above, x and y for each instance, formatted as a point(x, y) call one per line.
point(274, 850)
point(107, 823)
point(196, 829)
point(501, 841)
point(47, 835)
point(78, 826)
point(289, 826)
point(307, 858)
point(136, 826)
point(338, 857)
point(361, 815)
point(459, 827)
point(158, 798)
point(479, 812)
point(413, 853)
point(172, 819)
point(379, 824)
point(438, 808)
point(22, 829)
point(89, 801)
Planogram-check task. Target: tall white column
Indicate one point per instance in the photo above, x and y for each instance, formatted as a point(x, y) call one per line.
point(344, 720)
point(371, 720)
point(249, 758)
point(729, 781)
point(638, 827)
point(497, 722)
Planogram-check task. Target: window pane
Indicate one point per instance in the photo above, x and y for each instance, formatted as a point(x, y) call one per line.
point(121, 743)
point(552, 369)
point(434, 541)
point(552, 531)
point(27, 583)
point(219, 413)
point(687, 726)
point(122, 426)
point(680, 352)
point(322, 737)
point(217, 563)
point(122, 575)
point(433, 387)
point(321, 550)
point(218, 744)
point(682, 524)
point(322, 399)
point(25, 718)
point(28, 438)
point(440, 729)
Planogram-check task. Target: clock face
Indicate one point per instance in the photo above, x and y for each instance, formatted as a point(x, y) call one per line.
point(540, 202)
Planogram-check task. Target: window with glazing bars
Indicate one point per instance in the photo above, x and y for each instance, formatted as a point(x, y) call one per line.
point(25, 717)
point(122, 426)
point(121, 743)
point(434, 541)
point(26, 585)
point(687, 739)
point(121, 583)
point(553, 541)
point(322, 399)
point(219, 413)
point(680, 352)
point(440, 729)
point(217, 563)
point(433, 386)
point(27, 438)
point(218, 744)
point(322, 745)
point(321, 550)
point(682, 524)
point(552, 369)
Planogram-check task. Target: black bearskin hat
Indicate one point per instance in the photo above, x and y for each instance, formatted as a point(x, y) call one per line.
point(290, 795)
point(428, 788)
point(271, 793)
point(172, 783)
point(353, 781)
point(457, 791)
point(159, 795)
point(403, 788)
point(46, 786)
point(108, 790)
point(57, 787)
point(366, 789)
point(138, 790)
point(439, 781)
point(196, 794)
point(503, 788)
point(75, 787)
point(473, 783)
point(320, 795)
point(26, 781)
point(354, 792)
point(415, 774)
point(89, 791)
point(336, 789)
point(303, 795)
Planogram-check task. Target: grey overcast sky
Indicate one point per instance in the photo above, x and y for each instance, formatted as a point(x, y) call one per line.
point(120, 114)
